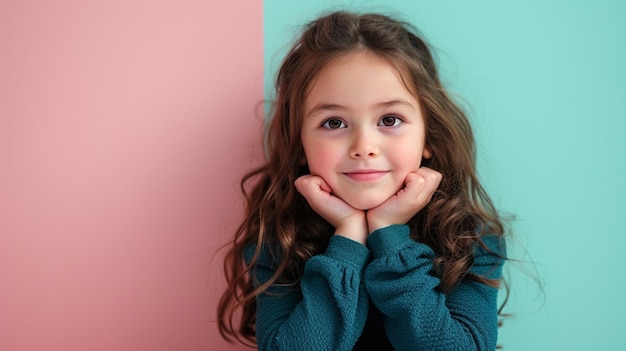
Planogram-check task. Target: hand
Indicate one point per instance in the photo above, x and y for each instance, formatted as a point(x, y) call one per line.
point(347, 220)
point(419, 188)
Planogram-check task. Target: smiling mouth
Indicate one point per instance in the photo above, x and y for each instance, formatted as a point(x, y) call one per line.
point(365, 176)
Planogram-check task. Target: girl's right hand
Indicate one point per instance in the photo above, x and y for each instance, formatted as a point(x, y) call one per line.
point(347, 220)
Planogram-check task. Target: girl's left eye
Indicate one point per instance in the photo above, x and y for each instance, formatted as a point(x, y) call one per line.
point(389, 121)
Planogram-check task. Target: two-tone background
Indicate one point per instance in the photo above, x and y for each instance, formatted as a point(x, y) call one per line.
point(125, 127)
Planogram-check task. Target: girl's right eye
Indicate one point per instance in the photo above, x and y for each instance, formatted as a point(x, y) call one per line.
point(334, 123)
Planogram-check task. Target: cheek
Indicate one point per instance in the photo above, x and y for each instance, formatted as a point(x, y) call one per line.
point(320, 159)
point(409, 160)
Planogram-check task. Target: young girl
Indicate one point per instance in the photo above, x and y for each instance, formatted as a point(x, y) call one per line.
point(366, 228)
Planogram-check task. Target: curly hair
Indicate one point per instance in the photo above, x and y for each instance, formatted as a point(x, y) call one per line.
point(459, 213)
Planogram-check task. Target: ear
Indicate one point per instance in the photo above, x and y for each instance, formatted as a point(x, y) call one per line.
point(426, 153)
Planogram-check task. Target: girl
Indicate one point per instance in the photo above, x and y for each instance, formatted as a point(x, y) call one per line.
point(366, 228)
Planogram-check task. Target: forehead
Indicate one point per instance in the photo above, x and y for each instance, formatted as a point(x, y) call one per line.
point(358, 76)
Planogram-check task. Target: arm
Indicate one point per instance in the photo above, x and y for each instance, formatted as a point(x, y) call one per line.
point(417, 314)
point(327, 311)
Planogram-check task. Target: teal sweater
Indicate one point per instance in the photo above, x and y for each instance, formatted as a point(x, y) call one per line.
point(329, 308)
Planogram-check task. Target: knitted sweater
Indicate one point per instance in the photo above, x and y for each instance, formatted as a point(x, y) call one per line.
point(329, 308)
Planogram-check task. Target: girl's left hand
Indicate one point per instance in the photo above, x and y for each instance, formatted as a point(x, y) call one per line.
point(419, 188)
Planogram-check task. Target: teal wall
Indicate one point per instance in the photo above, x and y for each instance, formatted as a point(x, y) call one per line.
point(544, 83)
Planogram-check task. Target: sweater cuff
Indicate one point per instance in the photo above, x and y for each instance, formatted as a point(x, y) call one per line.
point(391, 238)
point(344, 249)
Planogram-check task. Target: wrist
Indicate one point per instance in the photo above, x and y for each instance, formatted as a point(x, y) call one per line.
point(353, 228)
point(373, 225)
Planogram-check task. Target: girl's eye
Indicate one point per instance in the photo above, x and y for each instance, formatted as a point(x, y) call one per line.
point(334, 123)
point(389, 121)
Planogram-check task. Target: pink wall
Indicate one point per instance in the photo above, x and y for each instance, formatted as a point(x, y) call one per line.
point(124, 128)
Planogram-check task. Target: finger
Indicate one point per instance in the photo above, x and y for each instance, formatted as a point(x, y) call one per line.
point(307, 186)
point(324, 186)
point(413, 186)
point(315, 191)
point(420, 186)
point(310, 182)
point(431, 178)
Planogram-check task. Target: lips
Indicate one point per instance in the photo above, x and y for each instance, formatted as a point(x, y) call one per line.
point(365, 175)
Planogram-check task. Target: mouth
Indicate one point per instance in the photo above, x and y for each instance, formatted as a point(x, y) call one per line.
point(365, 175)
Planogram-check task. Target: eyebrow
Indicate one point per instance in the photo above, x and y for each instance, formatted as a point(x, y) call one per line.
point(334, 107)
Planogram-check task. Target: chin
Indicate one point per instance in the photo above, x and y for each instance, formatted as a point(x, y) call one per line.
point(365, 204)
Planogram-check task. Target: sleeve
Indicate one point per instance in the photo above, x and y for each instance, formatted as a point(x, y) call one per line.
point(326, 312)
point(401, 283)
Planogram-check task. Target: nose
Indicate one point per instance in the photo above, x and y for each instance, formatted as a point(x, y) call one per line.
point(364, 145)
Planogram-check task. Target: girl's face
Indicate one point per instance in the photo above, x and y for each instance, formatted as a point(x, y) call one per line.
point(363, 132)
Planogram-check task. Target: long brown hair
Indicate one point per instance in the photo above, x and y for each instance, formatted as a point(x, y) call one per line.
point(279, 218)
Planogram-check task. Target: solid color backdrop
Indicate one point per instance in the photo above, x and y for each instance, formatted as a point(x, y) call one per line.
point(125, 127)
point(544, 84)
